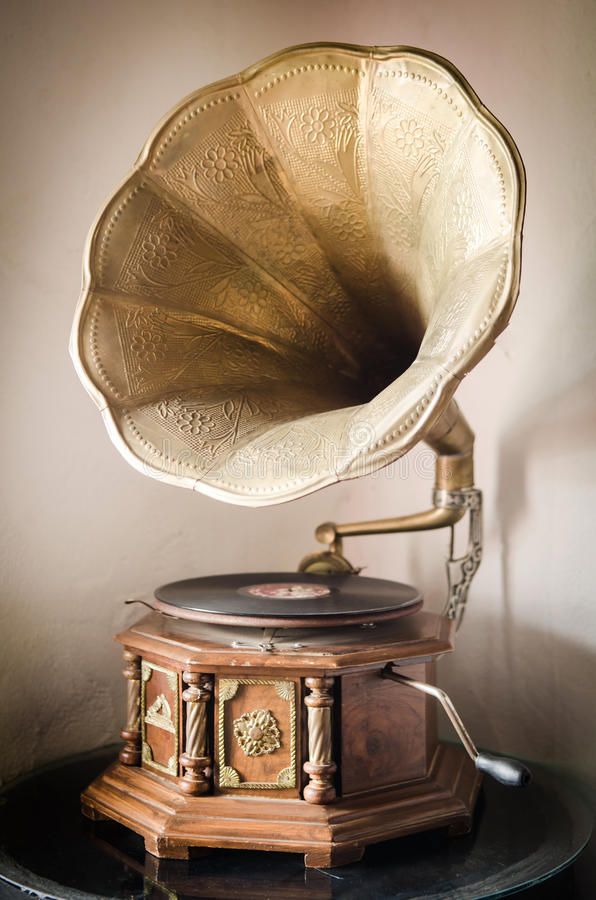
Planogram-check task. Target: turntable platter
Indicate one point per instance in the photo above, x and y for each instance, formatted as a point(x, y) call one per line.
point(290, 600)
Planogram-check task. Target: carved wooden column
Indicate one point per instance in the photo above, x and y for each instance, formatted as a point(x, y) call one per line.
point(195, 759)
point(320, 765)
point(130, 754)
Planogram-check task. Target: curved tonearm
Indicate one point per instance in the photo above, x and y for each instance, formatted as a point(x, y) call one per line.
point(454, 495)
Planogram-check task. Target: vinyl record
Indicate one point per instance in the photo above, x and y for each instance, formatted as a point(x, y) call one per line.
point(287, 599)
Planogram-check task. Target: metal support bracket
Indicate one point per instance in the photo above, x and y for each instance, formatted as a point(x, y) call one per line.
point(461, 570)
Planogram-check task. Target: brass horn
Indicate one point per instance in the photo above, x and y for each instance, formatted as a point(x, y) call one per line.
point(304, 263)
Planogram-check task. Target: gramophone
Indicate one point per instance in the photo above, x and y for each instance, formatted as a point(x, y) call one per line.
point(286, 292)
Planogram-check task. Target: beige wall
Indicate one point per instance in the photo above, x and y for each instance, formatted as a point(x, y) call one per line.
point(81, 531)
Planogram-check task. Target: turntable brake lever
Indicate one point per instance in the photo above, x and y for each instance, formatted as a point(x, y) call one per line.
point(508, 771)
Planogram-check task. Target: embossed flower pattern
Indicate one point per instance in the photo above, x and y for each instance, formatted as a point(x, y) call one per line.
point(291, 252)
point(347, 224)
point(253, 296)
point(317, 125)
point(195, 423)
point(148, 346)
point(159, 250)
point(257, 732)
point(287, 246)
point(220, 162)
point(410, 140)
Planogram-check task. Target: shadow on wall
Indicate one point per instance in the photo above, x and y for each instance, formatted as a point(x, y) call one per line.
point(525, 680)
point(559, 422)
point(74, 696)
point(544, 713)
point(557, 430)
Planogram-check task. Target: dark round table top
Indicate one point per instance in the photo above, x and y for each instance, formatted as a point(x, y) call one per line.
point(522, 842)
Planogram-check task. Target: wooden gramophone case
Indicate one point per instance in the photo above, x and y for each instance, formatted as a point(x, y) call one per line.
point(357, 758)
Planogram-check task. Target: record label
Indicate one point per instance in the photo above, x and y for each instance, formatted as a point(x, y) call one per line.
point(287, 591)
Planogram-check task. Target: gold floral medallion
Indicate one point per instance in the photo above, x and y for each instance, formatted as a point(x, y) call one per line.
point(257, 732)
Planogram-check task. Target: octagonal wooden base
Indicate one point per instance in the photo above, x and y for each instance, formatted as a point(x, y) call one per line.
point(175, 826)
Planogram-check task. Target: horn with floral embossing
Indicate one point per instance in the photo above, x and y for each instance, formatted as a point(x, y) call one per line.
point(305, 261)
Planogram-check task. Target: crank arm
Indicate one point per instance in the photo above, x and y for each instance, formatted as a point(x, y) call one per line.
point(508, 771)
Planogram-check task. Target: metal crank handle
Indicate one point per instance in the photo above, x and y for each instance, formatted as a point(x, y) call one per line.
point(508, 771)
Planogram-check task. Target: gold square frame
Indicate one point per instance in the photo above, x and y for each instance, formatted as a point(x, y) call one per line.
point(147, 669)
point(228, 776)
